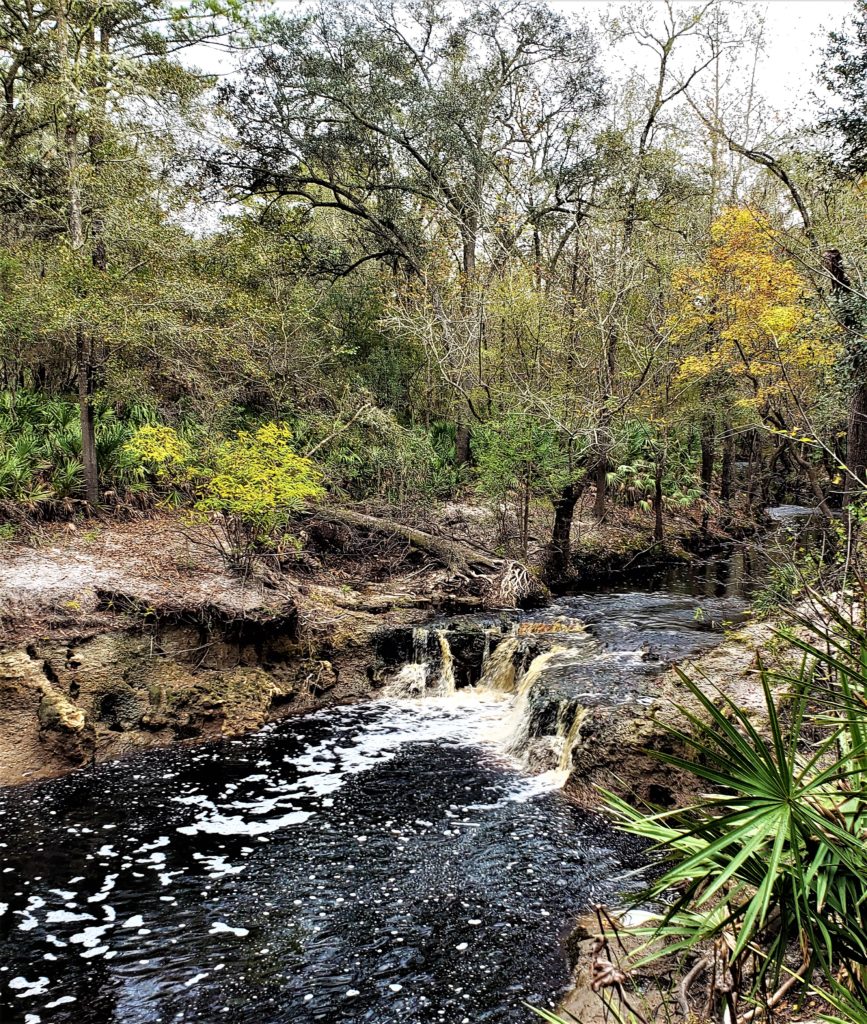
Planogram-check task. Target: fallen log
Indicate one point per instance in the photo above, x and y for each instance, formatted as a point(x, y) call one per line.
point(454, 554)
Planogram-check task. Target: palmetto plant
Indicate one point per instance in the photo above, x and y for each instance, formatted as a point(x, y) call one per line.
point(67, 478)
point(773, 860)
point(40, 449)
point(634, 476)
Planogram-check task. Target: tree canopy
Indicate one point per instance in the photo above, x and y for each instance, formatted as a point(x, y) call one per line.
point(436, 242)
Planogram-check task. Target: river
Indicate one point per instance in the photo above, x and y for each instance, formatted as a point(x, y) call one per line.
point(390, 861)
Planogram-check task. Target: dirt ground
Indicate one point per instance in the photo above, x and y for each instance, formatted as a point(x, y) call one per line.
point(63, 565)
point(63, 574)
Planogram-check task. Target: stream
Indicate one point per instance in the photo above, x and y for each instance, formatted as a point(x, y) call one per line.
point(395, 860)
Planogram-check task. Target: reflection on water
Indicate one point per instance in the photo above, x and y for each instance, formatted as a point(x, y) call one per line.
point(736, 573)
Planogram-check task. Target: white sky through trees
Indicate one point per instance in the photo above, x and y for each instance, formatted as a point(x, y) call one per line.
point(796, 32)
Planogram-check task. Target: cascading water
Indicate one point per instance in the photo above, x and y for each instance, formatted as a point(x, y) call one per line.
point(431, 672)
point(520, 722)
point(410, 681)
point(505, 672)
point(445, 685)
point(486, 650)
point(499, 672)
point(569, 731)
point(419, 644)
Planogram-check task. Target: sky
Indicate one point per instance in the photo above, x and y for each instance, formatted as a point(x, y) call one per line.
point(796, 32)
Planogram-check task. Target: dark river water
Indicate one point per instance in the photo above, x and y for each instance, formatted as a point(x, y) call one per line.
point(384, 862)
point(380, 862)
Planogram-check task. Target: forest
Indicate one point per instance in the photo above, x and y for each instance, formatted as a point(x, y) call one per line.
point(438, 247)
point(330, 318)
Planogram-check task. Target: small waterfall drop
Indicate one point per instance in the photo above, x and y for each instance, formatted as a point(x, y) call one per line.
point(431, 672)
point(445, 685)
point(419, 645)
point(569, 733)
point(499, 672)
point(532, 730)
point(412, 678)
point(519, 727)
point(410, 681)
point(486, 651)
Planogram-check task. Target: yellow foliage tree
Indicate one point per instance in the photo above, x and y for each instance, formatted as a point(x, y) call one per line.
point(744, 322)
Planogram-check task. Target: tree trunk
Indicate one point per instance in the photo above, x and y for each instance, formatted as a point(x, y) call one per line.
point(728, 463)
point(813, 478)
point(462, 442)
point(769, 472)
point(856, 442)
point(754, 471)
point(85, 406)
point(452, 553)
point(560, 548)
point(708, 450)
point(83, 344)
point(601, 487)
point(658, 526)
point(525, 516)
point(469, 241)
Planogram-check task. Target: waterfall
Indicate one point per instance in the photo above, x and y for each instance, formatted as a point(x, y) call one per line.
point(424, 675)
point(519, 728)
point(499, 673)
point(419, 645)
point(569, 734)
point(542, 726)
point(412, 678)
point(445, 685)
point(410, 681)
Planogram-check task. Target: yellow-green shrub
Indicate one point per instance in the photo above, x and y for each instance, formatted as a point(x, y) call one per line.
point(257, 484)
point(162, 452)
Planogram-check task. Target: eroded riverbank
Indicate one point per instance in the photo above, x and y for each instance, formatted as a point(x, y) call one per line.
point(130, 636)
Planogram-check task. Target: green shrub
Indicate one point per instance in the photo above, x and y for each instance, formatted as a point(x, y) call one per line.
point(164, 455)
point(784, 582)
point(372, 456)
point(637, 445)
point(255, 486)
point(518, 460)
